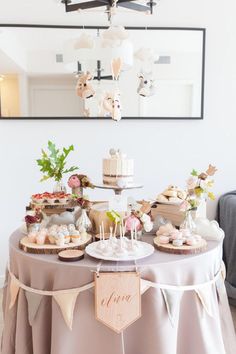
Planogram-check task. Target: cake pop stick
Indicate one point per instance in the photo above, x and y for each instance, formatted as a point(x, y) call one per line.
point(115, 231)
point(100, 232)
point(103, 234)
point(120, 236)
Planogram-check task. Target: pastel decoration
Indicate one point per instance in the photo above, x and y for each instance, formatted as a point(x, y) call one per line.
point(133, 222)
point(84, 89)
point(116, 65)
point(172, 300)
point(146, 86)
point(74, 181)
point(205, 296)
point(14, 290)
point(110, 105)
point(209, 230)
point(177, 243)
point(164, 239)
point(66, 302)
point(85, 41)
point(146, 55)
point(34, 301)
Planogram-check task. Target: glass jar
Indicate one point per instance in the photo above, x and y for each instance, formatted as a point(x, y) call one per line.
point(59, 187)
point(83, 222)
point(188, 222)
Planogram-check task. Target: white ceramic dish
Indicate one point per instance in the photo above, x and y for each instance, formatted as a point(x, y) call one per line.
point(145, 250)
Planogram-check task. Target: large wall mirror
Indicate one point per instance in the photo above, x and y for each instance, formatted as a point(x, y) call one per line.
point(39, 68)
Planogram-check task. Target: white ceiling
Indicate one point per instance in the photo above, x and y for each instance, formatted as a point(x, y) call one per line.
point(53, 12)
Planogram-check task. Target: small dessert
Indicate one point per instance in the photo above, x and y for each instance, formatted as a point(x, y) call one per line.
point(172, 195)
point(176, 234)
point(75, 237)
point(32, 236)
point(191, 241)
point(164, 239)
point(60, 239)
point(41, 238)
point(186, 233)
point(177, 242)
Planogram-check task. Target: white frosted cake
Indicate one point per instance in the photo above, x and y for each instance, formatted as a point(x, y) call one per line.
point(118, 170)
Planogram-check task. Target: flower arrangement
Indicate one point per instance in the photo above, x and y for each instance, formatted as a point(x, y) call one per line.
point(139, 220)
point(76, 182)
point(198, 186)
point(53, 162)
point(83, 203)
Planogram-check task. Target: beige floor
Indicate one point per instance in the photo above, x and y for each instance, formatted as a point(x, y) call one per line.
point(233, 309)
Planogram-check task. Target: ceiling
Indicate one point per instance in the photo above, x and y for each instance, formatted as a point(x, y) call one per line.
point(53, 12)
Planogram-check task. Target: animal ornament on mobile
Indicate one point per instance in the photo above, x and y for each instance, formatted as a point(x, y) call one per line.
point(111, 105)
point(146, 86)
point(84, 89)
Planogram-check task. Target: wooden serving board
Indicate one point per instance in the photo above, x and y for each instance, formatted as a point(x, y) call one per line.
point(185, 249)
point(30, 247)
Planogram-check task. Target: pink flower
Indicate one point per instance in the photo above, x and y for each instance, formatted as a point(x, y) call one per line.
point(132, 222)
point(184, 206)
point(73, 181)
point(192, 182)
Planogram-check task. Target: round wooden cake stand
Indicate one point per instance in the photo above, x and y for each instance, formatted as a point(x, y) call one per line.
point(185, 249)
point(29, 247)
point(117, 190)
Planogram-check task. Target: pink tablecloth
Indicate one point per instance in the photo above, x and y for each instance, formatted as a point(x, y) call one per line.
point(194, 333)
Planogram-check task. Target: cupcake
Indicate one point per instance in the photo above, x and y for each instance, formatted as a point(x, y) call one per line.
point(32, 236)
point(75, 238)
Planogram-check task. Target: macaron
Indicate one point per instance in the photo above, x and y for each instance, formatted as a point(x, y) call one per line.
point(164, 239)
point(177, 243)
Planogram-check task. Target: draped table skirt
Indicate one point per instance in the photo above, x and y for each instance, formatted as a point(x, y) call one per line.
point(193, 332)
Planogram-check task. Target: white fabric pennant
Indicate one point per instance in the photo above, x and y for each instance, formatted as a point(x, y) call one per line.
point(14, 290)
point(34, 301)
point(66, 302)
point(205, 296)
point(144, 286)
point(172, 300)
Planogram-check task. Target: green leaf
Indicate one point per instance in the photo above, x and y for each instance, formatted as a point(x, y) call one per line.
point(53, 164)
point(114, 216)
point(194, 173)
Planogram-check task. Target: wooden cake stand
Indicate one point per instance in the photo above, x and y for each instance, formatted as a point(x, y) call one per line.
point(185, 249)
point(48, 248)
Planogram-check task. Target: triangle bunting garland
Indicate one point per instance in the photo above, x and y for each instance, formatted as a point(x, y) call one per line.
point(34, 301)
point(66, 302)
point(172, 300)
point(205, 296)
point(14, 290)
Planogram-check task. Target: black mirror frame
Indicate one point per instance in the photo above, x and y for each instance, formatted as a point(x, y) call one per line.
point(203, 30)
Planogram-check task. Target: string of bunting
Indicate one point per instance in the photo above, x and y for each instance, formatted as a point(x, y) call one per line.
point(66, 299)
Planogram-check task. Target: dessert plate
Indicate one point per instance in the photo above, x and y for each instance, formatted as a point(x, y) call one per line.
point(144, 250)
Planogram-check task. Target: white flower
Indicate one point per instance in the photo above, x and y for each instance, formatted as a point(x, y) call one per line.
point(148, 226)
point(192, 182)
point(145, 218)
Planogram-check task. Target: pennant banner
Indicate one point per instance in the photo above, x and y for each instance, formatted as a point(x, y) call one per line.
point(66, 299)
point(66, 302)
point(205, 296)
point(14, 290)
point(172, 300)
point(34, 301)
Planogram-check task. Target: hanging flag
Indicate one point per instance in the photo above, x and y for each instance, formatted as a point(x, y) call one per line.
point(172, 300)
point(34, 301)
point(66, 302)
point(14, 290)
point(204, 294)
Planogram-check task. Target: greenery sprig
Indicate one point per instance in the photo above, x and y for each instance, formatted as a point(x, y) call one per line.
point(53, 162)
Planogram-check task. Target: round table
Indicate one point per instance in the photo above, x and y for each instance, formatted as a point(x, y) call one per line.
point(195, 332)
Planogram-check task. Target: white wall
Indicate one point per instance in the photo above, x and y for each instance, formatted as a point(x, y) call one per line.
point(164, 151)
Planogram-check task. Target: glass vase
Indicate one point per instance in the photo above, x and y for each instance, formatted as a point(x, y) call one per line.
point(188, 222)
point(83, 223)
point(59, 187)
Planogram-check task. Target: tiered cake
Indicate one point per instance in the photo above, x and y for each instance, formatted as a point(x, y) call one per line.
point(118, 170)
